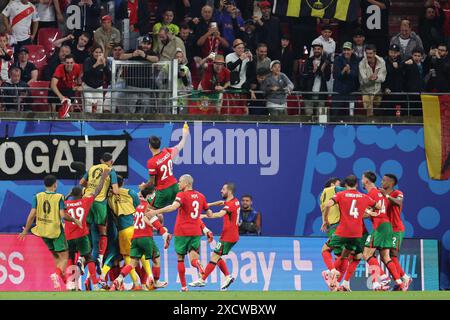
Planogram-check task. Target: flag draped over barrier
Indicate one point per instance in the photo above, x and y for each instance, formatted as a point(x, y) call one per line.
point(344, 10)
point(436, 121)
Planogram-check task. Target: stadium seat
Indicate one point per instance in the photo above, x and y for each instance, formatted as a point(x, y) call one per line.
point(38, 57)
point(46, 37)
point(40, 96)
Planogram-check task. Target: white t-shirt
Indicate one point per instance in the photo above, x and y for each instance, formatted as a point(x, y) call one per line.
point(4, 65)
point(403, 43)
point(46, 11)
point(233, 57)
point(20, 17)
point(329, 46)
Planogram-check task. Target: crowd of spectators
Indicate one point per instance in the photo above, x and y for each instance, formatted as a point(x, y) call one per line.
point(238, 52)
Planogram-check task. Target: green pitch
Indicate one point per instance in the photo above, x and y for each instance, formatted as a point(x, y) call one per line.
point(228, 295)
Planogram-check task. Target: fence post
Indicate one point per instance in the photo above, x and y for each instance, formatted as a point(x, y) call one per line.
point(174, 85)
point(126, 34)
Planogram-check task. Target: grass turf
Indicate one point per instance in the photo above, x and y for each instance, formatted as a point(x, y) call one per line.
point(228, 295)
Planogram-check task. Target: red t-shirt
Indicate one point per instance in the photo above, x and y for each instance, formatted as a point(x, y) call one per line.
point(394, 212)
point(67, 80)
point(352, 205)
point(211, 79)
point(78, 209)
point(133, 13)
point(188, 222)
point(376, 195)
point(141, 229)
point(161, 166)
point(230, 232)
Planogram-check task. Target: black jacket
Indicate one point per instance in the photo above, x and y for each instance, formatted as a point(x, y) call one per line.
point(90, 16)
point(95, 77)
point(413, 80)
point(309, 75)
point(441, 82)
point(270, 34)
point(143, 16)
point(394, 77)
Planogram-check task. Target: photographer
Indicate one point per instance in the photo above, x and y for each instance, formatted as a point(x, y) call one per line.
point(212, 41)
point(438, 61)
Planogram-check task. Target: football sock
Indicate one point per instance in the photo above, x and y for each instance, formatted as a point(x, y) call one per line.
point(223, 267)
point(102, 245)
point(147, 268)
point(392, 269)
point(343, 269)
point(195, 263)
point(209, 268)
point(338, 263)
point(157, 225)
point(126, 270)
point(156, 272)
point(61, 274)
point(133, 274)
point(105, 270)
point(92, 272)
point(182, 273)
point(327, 259)
point(398, 266)
point(374, 267)
point(351, 269)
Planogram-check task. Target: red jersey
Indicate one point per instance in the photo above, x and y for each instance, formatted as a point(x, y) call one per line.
point(161, 166)
point(210, 79)
point(230, 232)
point(133, 13)
point(141, 229)
point(188, 222)
point(394, 212)
point(380, 199)
point(67, 80)
point(352, 205)
point(78, 209)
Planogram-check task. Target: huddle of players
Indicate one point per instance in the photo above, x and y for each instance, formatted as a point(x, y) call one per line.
point(122, 223)
point(343, 212)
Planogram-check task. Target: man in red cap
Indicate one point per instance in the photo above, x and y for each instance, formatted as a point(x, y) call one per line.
point(106, 36)
point(268, 29)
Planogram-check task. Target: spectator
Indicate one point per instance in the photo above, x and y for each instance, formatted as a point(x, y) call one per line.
point(107, 35)
point(431, 27)
point(189, 42)
point(268, 28)
point(193, 8)
point(55, 60)
point(95, 72)
point(250, 219)
point(372, 73)
point(261, 62)
point(328, 44)
point(6, 58)
point(147, 100)
point(216, 79)
point(286, 57)
point(316, 74)
point(65, 82)
point(345, 74)
point(167, 44)
point(112, 98)
point(212, 41)
point(439, 64)
point(394, 80)
point(229, 21)
point(277, 87)
point(78, 48)
point(375, 23)
point(167, 21)
point(14, 92)
point(29, 72)
point(237, 63)
point(359, 44)
point(414, 81)
point(201, 25)
point(257, 104)
point(90, 17)
point(50, 13)
point(19, 28)
point(407, 40)
point(137, 13)
point(249, 35)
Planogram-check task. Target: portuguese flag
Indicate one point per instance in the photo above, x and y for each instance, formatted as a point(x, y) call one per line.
point(436, 121)
point(344, 10)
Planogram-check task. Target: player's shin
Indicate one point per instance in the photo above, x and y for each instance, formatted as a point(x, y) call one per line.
point(209, 268)
point(102, 245)
point(92, 272)
point(374, 268)
point(156, 270)
point(351, 269)
point(182, 273)
point(398, 266)
point(393, 270)
point(342, 269)
point(132, 272)
point(223, 267)
point(148, 270)
point(327, 259)
point(196, 264)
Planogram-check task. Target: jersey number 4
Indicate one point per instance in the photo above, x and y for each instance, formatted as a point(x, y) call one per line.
point(354, 210)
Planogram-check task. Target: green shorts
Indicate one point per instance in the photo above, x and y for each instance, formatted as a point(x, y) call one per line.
point(58, 244)
point(223, 248)
point(381, 238)
point(142, 246)
point(331, 230)
point(351, 244)
point(397, 239)
point(165, 197)
point(361, 243)
point(98, 213)
point(185, 244)
point(80, 244)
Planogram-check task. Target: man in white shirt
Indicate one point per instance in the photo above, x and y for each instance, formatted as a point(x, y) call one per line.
point(18, 17)
point(328, 44)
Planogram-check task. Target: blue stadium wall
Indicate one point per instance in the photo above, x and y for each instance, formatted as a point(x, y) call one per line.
point(283, 167)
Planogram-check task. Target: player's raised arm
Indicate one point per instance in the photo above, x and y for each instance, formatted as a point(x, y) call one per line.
point(30, 220)
point(182, 142)
point(99, 188)
point(84, 180)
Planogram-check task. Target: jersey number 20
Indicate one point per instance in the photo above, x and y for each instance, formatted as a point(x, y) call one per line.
point(167, 169)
